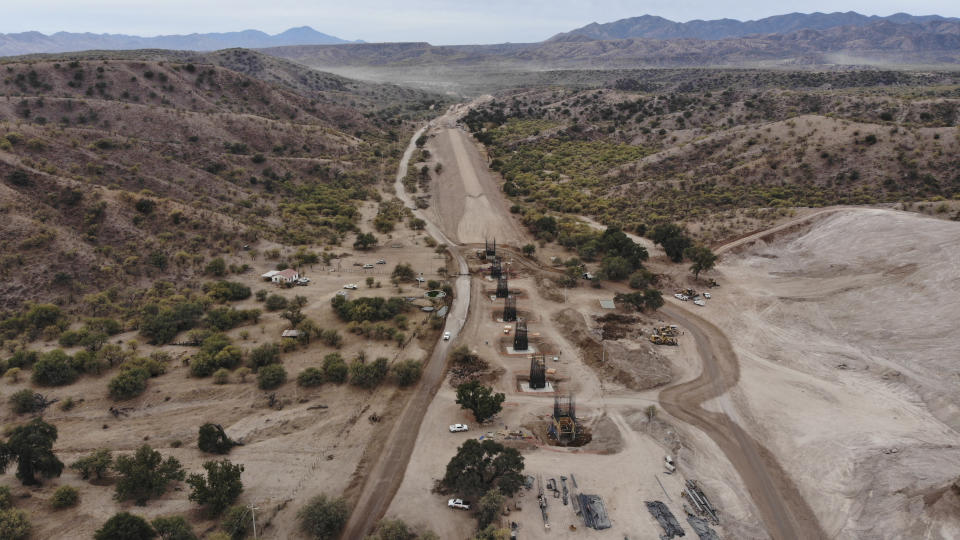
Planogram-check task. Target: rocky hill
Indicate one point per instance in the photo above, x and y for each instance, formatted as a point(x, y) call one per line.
point(117, 173)
point(725, 151)
point(479, 69)
point(653, 27)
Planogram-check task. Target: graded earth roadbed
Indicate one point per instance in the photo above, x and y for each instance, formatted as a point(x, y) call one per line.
point(387, 473)
point(785, 513)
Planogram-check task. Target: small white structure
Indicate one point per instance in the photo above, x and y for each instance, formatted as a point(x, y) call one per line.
point(285, 276)
point(291, 334)
point(270, 274)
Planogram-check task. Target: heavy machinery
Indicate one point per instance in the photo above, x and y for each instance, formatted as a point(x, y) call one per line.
point(671, 330)
point(657, 339)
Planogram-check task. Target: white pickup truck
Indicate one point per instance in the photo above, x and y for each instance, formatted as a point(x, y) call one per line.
point(458, 503)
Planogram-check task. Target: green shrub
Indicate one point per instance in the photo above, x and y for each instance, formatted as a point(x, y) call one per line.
point(216, 267)
point(367, 375)
point(310, 377)
point(219, 488)
point(226, 291)
point(275, 302)
point(238, 520)
point(335, 369)
point(64, 497)
point(211, 438)
point(406, 372)
point(96, 464)
point(221, 376)
point(6, 499)
point(264, 355)
point(129, 383)
point(145, 475)
point(154, 367)
point(125, 526)
point(26, 401)
point(173, 528)
point(14, 524)
point(271, 376)
point(322, 518)
point(22, 358)
point(371, 309)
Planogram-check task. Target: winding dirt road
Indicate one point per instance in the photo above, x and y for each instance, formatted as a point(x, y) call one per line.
point(785, 513)
point(385, 476)
point(782, 508)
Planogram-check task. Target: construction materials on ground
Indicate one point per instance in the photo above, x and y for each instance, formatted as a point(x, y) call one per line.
point(664, 516)
point(594, 513)
point(563, 482)
point(669, 465)
point(701, 527)
point(489, 250)
point(520, 336)
point(699, 501)
point(542, 501)
point(663, 488)
point(564, 427)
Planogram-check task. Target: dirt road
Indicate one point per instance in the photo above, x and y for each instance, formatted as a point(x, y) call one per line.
point(782, 508)
point(467, 201)
point(385, 476)
point(785, 513)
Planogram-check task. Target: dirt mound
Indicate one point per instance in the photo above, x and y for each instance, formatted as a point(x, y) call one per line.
point(636, 366)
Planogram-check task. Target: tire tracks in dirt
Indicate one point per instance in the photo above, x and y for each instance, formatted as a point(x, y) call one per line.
point(785, 513)
point(386, 474)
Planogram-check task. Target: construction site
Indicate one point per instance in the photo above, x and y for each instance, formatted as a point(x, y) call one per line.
point(666, 424)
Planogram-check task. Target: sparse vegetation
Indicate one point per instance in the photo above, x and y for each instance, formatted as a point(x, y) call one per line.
point(480, 400)
point(219, 488)
point(480, 466)
point(322, 518)
point(145, 475)
point(31, 446)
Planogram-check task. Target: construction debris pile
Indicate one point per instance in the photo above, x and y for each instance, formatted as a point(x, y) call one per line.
point(664, 516)
point(695, 495)
point(594, 513)
point(702, 529)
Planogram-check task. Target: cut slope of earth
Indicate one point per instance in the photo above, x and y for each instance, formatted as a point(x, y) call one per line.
point(846, 335)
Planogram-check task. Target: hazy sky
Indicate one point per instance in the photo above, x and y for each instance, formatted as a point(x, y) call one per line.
point(437, 21)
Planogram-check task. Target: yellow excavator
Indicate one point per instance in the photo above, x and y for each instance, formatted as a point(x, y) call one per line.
point(662, 340)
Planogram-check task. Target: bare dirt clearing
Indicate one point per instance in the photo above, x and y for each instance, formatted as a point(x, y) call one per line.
point(846, 331)
point(465, 200)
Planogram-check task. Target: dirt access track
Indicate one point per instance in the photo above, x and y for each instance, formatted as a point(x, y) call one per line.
point(783, 509)
point(466, 203)
point(780, 505)
point(385, 475)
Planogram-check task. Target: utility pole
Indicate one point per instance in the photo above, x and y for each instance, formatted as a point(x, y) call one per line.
point(253, 517)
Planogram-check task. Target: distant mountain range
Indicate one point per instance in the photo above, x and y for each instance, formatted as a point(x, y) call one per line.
point(879, 43)
point(653, 27)
point(35, 42)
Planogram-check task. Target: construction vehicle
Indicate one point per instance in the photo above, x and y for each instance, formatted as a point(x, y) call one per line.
point(671, 330)
point(657, 339)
